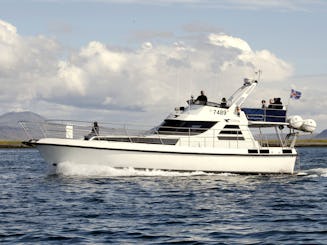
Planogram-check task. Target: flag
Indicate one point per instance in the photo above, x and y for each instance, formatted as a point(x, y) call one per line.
point(295, 94)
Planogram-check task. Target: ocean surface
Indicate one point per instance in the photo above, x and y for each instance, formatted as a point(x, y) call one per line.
point(99, 205)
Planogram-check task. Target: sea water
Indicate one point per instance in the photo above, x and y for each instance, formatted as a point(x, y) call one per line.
point(98, 204)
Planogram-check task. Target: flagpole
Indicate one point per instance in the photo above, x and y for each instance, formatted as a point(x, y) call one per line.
point(288, 102)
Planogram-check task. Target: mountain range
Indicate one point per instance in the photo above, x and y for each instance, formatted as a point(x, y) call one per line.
point(10, 128)
point(322, 135)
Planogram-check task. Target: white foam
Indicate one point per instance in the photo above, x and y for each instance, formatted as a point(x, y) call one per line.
point(321, 171)
point(314, 173)
point(84, 170)
point(302, 174)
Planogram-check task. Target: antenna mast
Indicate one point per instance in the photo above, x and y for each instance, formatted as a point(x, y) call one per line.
point(259, 72)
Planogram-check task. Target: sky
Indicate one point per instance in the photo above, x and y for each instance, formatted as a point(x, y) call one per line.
point(135, 60)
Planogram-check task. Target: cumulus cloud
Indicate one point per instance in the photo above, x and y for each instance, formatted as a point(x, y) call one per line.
point(113, 78)
point(37, 74)
point(229, 42)
point(26, 64)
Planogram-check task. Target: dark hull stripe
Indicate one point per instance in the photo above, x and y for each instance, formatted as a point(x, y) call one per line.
point(168, 152)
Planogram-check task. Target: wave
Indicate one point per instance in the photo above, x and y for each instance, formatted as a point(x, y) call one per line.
point(313, 173)
point(101, 171)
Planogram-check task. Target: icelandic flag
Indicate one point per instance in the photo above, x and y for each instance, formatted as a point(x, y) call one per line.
point(295, 94)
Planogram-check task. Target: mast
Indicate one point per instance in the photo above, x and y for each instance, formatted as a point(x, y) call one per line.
point(240, 95)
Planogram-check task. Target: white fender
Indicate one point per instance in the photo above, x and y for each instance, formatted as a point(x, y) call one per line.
point(295, 121)
point(309, 125)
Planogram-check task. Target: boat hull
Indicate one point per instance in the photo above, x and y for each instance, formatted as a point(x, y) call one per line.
point(170, 158)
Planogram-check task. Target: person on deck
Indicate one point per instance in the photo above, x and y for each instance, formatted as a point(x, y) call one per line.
point(201, 99)
point(263, 104)
point(278, 103)
point(223, 103)
point(95, 128)
point(271, 104)
point(94, 131)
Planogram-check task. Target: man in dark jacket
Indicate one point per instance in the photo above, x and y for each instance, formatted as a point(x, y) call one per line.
point(201, 99)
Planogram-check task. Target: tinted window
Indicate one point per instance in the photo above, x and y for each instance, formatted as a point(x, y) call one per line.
point(185, 127)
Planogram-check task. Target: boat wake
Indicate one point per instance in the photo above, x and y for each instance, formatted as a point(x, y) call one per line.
point(315, 172)
point(73, 169)
point(100, 171)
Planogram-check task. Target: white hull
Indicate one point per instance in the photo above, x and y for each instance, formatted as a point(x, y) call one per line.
point(142, 156)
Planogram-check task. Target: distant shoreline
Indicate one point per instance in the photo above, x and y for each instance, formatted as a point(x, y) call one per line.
point(304, 143)
point(299, 143)
point(12, 144)
point(309, 143)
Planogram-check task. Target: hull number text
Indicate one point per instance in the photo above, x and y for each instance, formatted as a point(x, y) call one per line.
point(219, 112)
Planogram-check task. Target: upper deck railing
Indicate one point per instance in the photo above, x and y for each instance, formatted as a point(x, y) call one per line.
point(265, 114)
point(137, 133)
point(78, 129)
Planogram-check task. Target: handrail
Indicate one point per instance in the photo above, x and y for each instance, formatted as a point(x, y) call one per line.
point(265, 114)
point(186, 136)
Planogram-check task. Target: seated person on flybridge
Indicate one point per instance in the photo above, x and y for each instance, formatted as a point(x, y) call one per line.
point(275, 103)
point(201, 99)
point(223, 103)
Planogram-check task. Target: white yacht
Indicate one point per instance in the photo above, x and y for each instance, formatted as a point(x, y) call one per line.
point(209, 137)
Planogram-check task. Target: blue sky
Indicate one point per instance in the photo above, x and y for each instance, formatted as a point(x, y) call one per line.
point(291, 31)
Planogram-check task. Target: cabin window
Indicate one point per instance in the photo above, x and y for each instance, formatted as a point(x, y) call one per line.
point(231, 132)
point(185, 127)
point(231, 138)
point(232, 126)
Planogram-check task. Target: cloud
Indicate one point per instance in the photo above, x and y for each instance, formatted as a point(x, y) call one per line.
point(141, 35)
point(226, 41)
point(97, 75)
point(279, 5)
point(26, 63)
point(146, 82)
